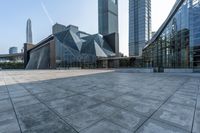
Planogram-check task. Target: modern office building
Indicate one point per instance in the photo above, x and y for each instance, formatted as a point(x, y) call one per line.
point(68, 47)
point(29, 38)
point(139, 25)
point(177, 42)
point(13, 50)
point(108, 20)
point(108, 16)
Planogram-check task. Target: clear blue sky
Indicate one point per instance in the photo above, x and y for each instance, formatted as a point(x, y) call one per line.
point(83, 13)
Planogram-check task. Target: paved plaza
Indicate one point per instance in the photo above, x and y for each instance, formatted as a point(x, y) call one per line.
point(98, 101)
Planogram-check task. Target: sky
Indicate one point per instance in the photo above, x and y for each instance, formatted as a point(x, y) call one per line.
point(82, 13)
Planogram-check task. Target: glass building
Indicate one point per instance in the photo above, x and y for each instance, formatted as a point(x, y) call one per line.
point(177, 42)
point(108, 16)
point(139, 25)
point(108, 21)
point(68, 47)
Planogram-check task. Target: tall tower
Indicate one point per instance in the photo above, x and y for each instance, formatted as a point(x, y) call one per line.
point(108, 22)
point(139, 25)
point(108, 16)
point(29, 32)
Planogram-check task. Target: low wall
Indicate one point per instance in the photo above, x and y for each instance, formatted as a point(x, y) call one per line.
point(151, 70)
point(135, 70)
point(179, 70)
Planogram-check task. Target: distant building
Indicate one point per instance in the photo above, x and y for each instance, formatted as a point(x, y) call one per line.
point(108, 20)
point(29, 38)
point(139, 25)
point(18, 57)
point(68, 47)
point(13, 50)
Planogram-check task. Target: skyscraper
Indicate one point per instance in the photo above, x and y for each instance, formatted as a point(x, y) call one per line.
point(29, 32)
point(108, 22)
point(139, 25)
point(108, 16)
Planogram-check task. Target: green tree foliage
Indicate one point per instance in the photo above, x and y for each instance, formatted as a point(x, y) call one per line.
point(12, 65)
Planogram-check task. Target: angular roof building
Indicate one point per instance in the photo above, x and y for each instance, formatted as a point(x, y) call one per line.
point(68, 47)
point(177, 42)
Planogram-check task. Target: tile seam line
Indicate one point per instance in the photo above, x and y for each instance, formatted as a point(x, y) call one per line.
point(160, 106)
point(52, 110)
point(12, 105)
point(195, 110)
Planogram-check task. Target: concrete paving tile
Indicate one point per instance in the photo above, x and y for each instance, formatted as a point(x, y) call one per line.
point(94, 87)
point(35, 89)
point(51, 127)
point(198, 102)
point(19, 93)
point(34, 115)
point(5, 105)
point(105, 126)
point(3, 89)
point(100, 95)
point(7, 115)
point(196, 126)
point(152, 126)
point(15, 87)
point(4, 95)
point(177, 115)
point(82, 119)
point(188, 94)
point(9, 127)
point(157, 95)
point(8, 122)
point(71, 105)
point(189, 89)
point(125, 100)
point(184, 100)
point(122, 89)
point(103, 95)
point(104, 109)
point(144, 106)
point(24, 101)
point(49, 96)
point(127, 120)
point(80, 89)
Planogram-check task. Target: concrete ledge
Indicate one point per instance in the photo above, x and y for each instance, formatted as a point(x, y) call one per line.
point(179, 70)
point(135, 70)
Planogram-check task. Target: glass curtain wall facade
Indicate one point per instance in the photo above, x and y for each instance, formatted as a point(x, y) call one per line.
point(139, 25)
point(75, 48)
point(67, 57)
point(177, 42)
point(108, 16)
